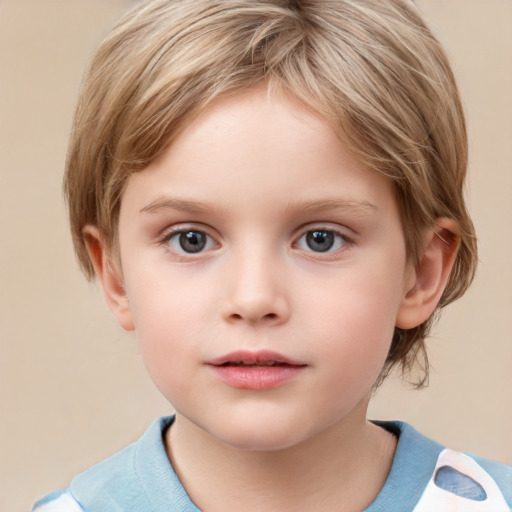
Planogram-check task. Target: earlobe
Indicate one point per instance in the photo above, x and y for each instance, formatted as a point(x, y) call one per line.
point(109, 276)
point(428, 279)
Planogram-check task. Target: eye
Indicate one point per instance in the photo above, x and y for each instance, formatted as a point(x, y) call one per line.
point(321, 240)
point(190, 241)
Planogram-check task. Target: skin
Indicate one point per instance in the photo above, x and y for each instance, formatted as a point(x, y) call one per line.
point(255, 174)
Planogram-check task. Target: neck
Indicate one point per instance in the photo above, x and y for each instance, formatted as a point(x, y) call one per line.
point(344, 468)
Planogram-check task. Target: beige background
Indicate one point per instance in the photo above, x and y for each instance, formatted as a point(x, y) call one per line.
point(72, 386)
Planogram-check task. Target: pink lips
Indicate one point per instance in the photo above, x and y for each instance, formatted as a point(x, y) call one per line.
point(255, 370)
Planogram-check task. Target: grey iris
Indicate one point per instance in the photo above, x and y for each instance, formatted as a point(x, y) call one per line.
point(320, 241)
point(192, 241)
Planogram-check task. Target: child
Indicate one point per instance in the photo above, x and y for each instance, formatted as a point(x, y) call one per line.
point(270, 192)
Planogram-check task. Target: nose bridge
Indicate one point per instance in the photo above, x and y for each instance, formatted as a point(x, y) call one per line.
point(255, 292)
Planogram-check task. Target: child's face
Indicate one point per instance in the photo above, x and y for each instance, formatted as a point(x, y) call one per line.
point(257, 231)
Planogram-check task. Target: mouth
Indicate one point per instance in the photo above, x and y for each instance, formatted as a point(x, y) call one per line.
point(256, 370)
point(249, 365)
point(265, 358)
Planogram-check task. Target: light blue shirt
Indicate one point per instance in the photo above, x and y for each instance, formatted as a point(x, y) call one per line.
point(424, 477)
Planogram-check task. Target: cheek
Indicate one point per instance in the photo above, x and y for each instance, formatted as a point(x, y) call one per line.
point(164, 302)
point(169, 325)
point(355, 320)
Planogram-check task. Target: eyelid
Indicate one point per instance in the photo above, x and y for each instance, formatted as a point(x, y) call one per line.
point(181, 227)
point(343, 231)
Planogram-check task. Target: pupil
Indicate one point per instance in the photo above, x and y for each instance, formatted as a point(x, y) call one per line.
point(320, 241)
point(192, 241)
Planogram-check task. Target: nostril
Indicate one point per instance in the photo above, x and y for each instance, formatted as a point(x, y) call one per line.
point(265, 310)
point(267, 317)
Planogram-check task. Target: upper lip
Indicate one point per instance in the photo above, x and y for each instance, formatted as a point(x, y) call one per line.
point(246, 357)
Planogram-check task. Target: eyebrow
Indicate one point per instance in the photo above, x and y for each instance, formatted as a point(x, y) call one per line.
point(184, 205)
point(314, 206)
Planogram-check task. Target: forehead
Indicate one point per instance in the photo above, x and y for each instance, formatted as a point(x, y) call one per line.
point(255, 147)
point(273, 123)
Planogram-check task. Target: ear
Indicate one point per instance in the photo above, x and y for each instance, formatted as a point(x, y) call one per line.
point(426, 282)
point(109, 276)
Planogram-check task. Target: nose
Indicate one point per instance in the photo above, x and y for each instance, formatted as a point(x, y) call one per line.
point(256, 292)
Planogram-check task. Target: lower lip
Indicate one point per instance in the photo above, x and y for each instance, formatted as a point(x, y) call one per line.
point(257, 377)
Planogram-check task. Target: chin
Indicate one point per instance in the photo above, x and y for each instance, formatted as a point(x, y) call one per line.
point(261, 436)
point(268, 441)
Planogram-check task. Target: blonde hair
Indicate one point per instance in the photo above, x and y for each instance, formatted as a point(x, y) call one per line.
point(370, 67)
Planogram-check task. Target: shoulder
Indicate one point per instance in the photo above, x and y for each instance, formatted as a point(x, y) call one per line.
point(60, 501)
point(444, 479)
point(97, 488)
point(129, 481)
point(464, 480)
point(107, 482)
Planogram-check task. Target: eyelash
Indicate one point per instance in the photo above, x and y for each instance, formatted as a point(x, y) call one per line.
point(336, 237)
